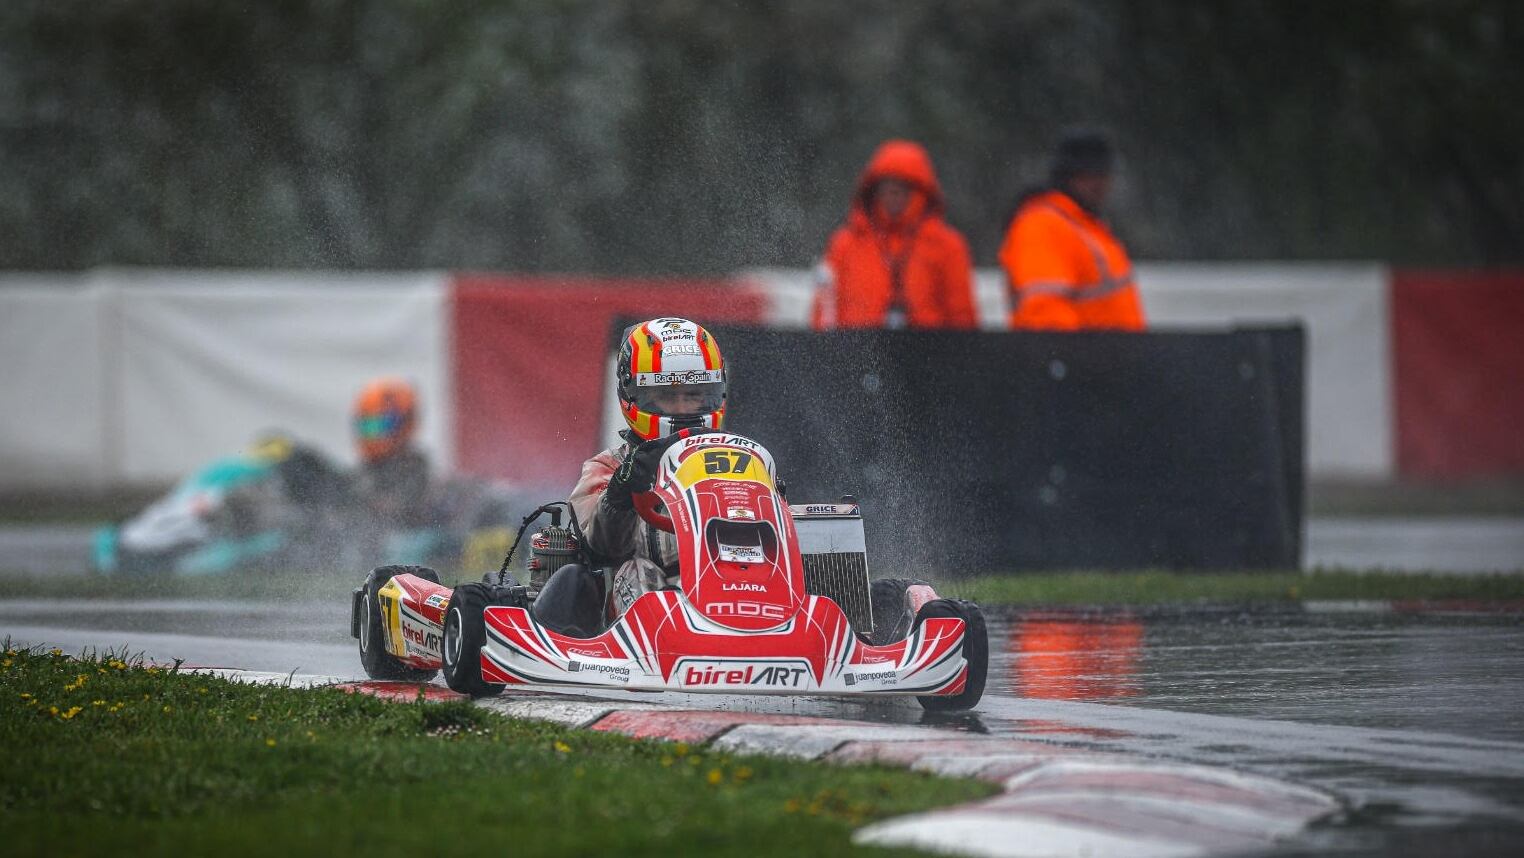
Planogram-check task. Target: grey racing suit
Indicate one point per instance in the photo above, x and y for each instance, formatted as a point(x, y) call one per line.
point(643, 557)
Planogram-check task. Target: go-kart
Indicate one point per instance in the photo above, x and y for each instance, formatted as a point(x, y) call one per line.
point(284, 506)
point(753, 614)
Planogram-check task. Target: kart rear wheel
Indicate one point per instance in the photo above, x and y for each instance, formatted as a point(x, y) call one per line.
point(892, 619)
point(465, 632)
point(976, 650)
point(378, 663)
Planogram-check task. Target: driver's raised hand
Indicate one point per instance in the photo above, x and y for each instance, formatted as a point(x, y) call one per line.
point(637, 473)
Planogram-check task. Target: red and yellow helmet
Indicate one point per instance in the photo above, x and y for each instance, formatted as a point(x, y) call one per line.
point(386, 415)
point(670, 376)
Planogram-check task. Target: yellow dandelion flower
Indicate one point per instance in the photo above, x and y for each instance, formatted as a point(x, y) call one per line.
point(72, 711)
point(52, 710)
point(667, 761)
point(26, 695)
point(167, 710)
point(55, 652)
point(97, 703)
point(562, 747)
point(269, 743)
point(681, 750)
point(716, 777)
point(6, 663)
point(253, 717)
point(791, 806)
point(743, 773)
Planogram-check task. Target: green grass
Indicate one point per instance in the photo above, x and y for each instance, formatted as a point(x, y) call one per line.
point(106, 757)
point(1184, 588)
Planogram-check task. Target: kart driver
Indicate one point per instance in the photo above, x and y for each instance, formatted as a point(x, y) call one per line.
point(670, 376)
point(393, 481)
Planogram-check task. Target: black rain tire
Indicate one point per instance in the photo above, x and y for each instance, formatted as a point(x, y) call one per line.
point(891, 617)
point(465, 633)
point(976, 649)
point(378, 663)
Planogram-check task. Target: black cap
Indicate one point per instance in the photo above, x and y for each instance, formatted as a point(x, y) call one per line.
point(1082, 151)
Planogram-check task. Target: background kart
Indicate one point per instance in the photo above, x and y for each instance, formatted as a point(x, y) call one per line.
point(754, 614)
point(259, 513)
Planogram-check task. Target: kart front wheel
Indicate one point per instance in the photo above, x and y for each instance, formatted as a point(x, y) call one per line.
point(465, 632)
point(378, 663)
point(976, 651)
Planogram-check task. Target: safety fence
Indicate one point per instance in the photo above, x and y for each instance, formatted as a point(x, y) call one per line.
point(127, 376)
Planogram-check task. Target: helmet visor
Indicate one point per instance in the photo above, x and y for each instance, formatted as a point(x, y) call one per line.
point(680, 394)
point(383, 425)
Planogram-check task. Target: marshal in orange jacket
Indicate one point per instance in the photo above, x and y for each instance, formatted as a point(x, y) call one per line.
point(1066, 270)
point(907, 270)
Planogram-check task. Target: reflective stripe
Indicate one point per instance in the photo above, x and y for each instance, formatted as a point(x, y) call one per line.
point(1082, 291)
point(1048, 287)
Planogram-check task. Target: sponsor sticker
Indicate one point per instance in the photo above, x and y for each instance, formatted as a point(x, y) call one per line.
point(882, 677)
point(603, 671)
point(741, 553)
point(437, 600)
point(828, 509)
point(743, 674)
point(426, 640)
point(669, 349)
point(740, 513)
point(746, 609)
point(679, 376)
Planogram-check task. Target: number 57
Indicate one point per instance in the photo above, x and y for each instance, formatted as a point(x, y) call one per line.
point(726, 461)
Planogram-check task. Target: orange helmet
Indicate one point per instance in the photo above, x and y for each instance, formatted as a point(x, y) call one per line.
point(671, 376)
point(386, 413)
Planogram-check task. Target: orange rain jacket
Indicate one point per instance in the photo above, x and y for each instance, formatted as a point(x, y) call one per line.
point(916, 263)
point(1066, 270)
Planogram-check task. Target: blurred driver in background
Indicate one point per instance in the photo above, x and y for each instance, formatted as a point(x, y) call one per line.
point(393, 481)
point(670, 376)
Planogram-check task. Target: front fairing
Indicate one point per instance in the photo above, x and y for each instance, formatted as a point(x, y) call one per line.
point(735, 536)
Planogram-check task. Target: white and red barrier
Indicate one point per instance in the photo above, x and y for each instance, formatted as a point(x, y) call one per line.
point(137, 376)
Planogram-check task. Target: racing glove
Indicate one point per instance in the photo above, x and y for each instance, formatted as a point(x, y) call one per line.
point(636, 474)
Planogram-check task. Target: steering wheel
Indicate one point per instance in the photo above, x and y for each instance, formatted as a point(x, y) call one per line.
point(646, 504)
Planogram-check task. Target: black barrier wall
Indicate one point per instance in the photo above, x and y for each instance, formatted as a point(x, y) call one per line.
point(986, 452)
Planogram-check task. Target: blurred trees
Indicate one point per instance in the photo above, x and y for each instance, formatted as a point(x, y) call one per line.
point(679, 136)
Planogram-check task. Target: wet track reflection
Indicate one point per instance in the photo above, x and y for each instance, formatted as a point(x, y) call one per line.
point(1415, 719)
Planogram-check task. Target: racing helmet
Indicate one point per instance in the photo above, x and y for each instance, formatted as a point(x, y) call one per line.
point(385, 416)
point(670, 376)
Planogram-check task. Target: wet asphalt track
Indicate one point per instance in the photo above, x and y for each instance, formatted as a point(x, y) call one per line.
point(1417, 720)
point(1432, 544)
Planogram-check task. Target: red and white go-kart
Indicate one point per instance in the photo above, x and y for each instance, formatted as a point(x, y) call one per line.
point(773, 599)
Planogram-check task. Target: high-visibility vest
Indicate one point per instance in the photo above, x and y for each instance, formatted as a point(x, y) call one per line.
point(1066, 270)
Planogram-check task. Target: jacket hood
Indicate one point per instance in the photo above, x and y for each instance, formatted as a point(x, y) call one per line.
point(903, 160)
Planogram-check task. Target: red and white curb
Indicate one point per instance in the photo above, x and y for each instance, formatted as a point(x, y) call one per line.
point(1055, 801)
